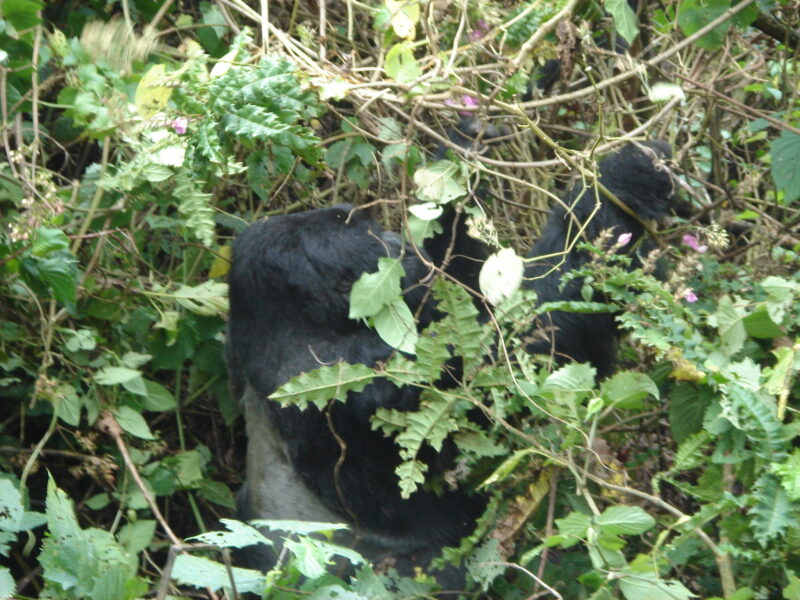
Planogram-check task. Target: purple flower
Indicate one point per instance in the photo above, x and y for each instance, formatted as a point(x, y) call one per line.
point(180, 124)
point(692, 242)
point(624, 239)
point(690, 296)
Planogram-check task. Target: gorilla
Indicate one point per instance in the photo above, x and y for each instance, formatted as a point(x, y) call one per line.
point(289, 303)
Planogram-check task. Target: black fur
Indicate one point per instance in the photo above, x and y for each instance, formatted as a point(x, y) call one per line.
point(639, 178)
point(289, 303)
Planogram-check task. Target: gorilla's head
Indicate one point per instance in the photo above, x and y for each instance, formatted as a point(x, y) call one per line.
point(639, 175)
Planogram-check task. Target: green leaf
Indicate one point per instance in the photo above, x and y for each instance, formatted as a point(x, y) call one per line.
point(773, 514)
point(185, 468)
point(442, 182)
point(687, 406)
point(322, 384)
point(785, 167)
point(374, 291)
point(691, 453)
point(195, 207)
point(209, 299)
point(789, 474)
point(625, 20)
point(239, 535)
point(412, 475)
point(22, 14)
point(695, 14)
point(624, 520)
point(759, 324)
point(627, 389)
point(133, 422)
point(7, 585)
point(137, 536)
point(157, 397)
point(649, 586)
point(11, 509)
point(200, 572)
point(48, 240)
point(116, 375)
point(729, 321)
point(571, 378)
point(574, 525)
point(395, 325)
point(85, 563)
point(400, 63)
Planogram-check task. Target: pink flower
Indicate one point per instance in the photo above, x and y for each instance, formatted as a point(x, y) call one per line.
point(180, 124)
point(692, 242)
point(624, 239)
point(466, 100)
point(690, 296)
point(481, 29)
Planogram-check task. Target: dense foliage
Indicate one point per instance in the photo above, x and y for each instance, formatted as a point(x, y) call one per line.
point(140, 136)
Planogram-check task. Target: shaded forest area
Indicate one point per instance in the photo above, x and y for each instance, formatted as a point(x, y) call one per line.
point(140, 136)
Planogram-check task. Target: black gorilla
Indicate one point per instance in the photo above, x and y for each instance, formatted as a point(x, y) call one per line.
point(638, 177)
point(289, 303)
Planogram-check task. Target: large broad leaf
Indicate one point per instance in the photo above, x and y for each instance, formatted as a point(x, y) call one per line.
point(625, 20)
point(395, 325)
point(374, 291)
point(624, 520)
point(785, 151)
point(695, 14)
point(200, 572)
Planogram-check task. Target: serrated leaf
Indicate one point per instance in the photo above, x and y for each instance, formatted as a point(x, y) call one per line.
point(773, 513)
point(239, 535)
point(157, 397)
point(627, 389)
point(208, 299)
point(729, 321)
point(574, 525)
point(47, 240)
point(789, 474)
point(571, 378)
point(200, 572)
point(137, 536)
point(320, 385)
point(412, 475)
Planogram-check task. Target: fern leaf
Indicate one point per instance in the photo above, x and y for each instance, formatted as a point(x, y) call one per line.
point(412, 475)
point(323, 384)
point(195, 206)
